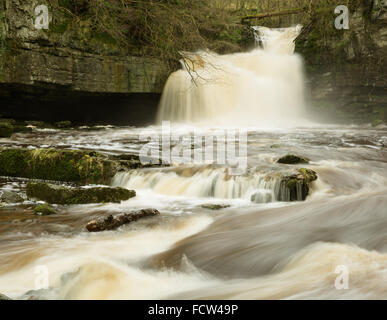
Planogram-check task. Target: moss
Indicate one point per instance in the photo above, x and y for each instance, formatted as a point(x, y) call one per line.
point(59, 165)
point(38, 124)
point(308, 174)
point(292, 159)
point(59, 27)
point(21, 128)
point(6, 129)
point(377, 122)
point(63, 124)
point(104, 37)
point(44, 210)
point(70, 195)
point(295, 187)
point(215, 206)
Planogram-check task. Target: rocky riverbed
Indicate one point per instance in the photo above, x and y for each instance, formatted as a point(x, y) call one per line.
point(342, 175)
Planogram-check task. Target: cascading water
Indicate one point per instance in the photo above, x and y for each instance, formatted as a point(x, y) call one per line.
point(257, 248)
point(204, 183)
point(263, 87)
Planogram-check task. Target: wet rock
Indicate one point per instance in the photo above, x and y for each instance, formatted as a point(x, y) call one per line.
point(133, 161)
point(63, 124)
point(6, 129)
point(57, 165)
point(4, 297)
point(21, 128)
point(44, 210)
point(38, 124)
point(377, 122)
point(292, 159)
point(87, 167)
point(113, 222)
point(215, 206)
point(295, 187)
point(10, 197)
point(10, 126)
point(77, 195)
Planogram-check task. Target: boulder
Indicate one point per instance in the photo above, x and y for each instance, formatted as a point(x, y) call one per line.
point(63, 124)
point(77, 195)
point(85, 167)
point(57, 165)
point(44, 210)
point(6, 129)
point(215, 206)
point(295, 187)
point(10, 197)
point(292, 159)
point(113, 222)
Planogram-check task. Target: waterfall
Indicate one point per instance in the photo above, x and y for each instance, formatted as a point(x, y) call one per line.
point(263, 87)
point(258, 187)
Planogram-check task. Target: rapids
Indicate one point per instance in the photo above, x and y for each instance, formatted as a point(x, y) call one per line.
point(249, 250)
point(260, 249)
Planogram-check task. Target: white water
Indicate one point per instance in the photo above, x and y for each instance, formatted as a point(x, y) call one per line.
point(248, 251)
point(264, 87)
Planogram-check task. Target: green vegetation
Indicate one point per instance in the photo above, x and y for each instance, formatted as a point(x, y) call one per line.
point(63, 124)
point(70, 195)
point(10, 126)
point(215, 206)
point(296, 187)
point(157, 29)
point(58, 165)
point(44, 210)
point(292, 159)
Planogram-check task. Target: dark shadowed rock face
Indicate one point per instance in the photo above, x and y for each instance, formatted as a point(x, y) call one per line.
point(113, 222)
point(295, 187)
point(69, 74)
point(71, 195)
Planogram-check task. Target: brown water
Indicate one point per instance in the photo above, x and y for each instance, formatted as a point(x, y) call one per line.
point(263, 250)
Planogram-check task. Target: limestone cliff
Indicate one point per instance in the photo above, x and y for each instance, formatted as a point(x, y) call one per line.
point(63, 67)
point(347, 68)
point(73, 72)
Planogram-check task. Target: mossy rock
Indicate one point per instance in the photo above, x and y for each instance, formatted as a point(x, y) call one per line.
point(58, 165)
point(215, 206)
point(10, 197)
point(71, 195)
point(10, 121)
point(21, 128)
point(296, 187)
point(63, 124)
point(377, 122)
point(44, 210)
point(292, 159)
point(6, 129)
point(38, 124)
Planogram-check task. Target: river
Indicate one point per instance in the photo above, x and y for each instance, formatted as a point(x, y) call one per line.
point(333, 245)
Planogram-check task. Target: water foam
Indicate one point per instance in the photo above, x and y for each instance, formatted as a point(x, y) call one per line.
point(264, 87)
